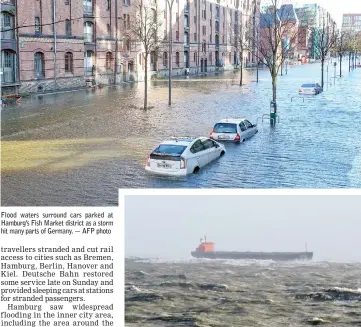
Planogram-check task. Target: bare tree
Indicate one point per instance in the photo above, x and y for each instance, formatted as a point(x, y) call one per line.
point(341, 45)
point(278, 38)
point(145, 27)
point(326, 40)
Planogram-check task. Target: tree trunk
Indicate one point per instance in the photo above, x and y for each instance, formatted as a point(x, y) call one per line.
point(340, 64)
point(349, 63)
point(146, 82)
point(322, 71)
point(274, 87)
point(241, 78)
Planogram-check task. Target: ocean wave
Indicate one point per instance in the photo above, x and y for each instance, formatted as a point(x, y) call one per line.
point(144, 297)
point(189, 285)
point(333, 294)
point(169, 276)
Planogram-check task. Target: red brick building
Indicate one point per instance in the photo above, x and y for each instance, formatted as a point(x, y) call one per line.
point(62, 44)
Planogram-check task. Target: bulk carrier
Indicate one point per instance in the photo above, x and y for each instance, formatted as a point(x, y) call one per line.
point(206, 250)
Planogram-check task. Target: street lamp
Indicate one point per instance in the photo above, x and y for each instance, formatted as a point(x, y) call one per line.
point(170, 6)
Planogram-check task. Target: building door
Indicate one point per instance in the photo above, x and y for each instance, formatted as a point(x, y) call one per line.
point(7, 66)
point(89, 63)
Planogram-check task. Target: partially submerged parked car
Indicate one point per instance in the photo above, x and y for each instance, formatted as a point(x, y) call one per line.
point(233, 130)
point(180, 156)
point(310, 89)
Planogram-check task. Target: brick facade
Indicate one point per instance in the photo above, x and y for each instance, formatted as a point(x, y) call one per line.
point(82, 47)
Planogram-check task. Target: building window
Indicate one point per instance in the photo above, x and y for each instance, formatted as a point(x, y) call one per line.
point(68, 62)
point(204, 30)
point(66, 2)
point(7, 26)
point(128, 21)
point(210, 57)
point(108, 60)
point(210, 38)
point(177, 58)
point(165, 34)
point(127, 44)
point(108, 29)
point(195, 19)
point(177, 18)
point(204, 46)
point(195, 36)
point(108, 4)
point(37, 25)
point(177, 35)
point(67, 27)
point(165, 59)
point(195, 56)
point(39, 65)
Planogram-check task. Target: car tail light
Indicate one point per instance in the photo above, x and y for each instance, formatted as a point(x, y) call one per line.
point(148, 161)
point(237, 138)
point(182, 164)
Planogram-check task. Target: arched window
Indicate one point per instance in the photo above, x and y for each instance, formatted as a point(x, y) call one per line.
point(108, 60)
point(165, 59)
point(177, 58)
point(68, 62)
point(39, 65)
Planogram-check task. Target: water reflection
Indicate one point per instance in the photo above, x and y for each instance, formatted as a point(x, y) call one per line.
point(78, 148)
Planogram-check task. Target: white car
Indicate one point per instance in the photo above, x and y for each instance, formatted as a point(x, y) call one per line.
point(233, 130)
point(310, 89)
point(180, 156)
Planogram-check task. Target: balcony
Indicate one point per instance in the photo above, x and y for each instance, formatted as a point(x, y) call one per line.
point(7, 5)
point(88, 11)
point(7, 44)
point(89, 38)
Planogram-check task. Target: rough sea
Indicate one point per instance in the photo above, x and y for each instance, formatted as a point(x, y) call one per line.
point(217, 293)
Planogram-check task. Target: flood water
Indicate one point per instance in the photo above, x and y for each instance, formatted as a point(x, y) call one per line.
point(78, 148)
point(244, 293)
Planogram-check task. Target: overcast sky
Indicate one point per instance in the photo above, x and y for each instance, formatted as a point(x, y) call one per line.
point(170, 227)
point(335, 7)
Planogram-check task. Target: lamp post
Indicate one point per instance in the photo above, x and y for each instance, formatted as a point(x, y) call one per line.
point(170, 6)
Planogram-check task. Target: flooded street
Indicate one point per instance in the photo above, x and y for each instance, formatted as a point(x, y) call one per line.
point(78, 148)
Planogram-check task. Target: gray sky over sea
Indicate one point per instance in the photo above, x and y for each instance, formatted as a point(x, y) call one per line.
point(170, 227)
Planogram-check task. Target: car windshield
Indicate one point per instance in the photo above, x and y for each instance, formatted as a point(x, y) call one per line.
point(225, 128)
point(173, 149)
point(308, 85)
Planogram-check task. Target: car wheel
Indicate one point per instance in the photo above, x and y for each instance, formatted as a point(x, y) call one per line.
point(243, 140)
point(196, 170)
point(222, 154)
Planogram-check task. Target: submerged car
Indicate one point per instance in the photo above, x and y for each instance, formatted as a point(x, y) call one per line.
point(180, 156)
point(310, 89)
point(233, 130)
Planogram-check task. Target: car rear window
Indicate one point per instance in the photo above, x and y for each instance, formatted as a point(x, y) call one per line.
point(308, 85)
point(225, 128)
point(173, 149)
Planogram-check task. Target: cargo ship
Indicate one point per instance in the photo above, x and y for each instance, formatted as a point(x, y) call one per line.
point(206, 250)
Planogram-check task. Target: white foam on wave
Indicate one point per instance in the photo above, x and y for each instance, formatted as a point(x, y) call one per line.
point(345, 289)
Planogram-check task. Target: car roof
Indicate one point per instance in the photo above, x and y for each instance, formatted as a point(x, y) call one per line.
point(232, 120)
point(309, 84)
point(182, 140)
